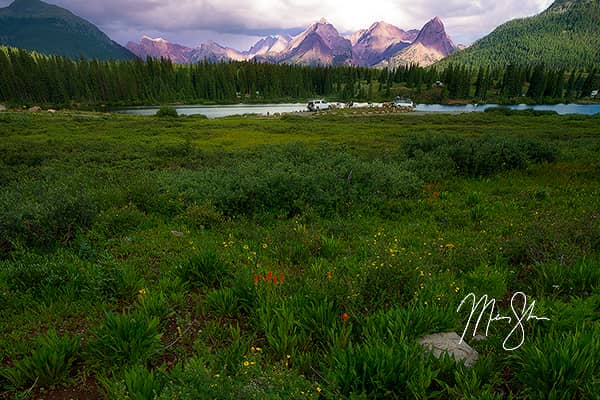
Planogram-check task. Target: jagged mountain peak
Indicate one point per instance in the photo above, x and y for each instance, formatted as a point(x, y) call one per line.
point(433, 35)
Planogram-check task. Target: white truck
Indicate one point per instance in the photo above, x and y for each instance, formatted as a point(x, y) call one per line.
point(318, 105)
point(406, 103)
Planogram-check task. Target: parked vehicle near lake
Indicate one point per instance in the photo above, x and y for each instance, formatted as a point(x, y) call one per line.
point(318, 105)
point(402, 102)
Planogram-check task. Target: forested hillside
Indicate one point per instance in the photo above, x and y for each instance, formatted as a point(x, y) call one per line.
point(30, 78)
point(49, 29)
point(565, 35)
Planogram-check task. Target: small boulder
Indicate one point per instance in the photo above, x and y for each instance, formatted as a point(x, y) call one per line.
point(51, 111)
point(2, 107)
point(177, 233)
point(449, 342)
point(35, 109)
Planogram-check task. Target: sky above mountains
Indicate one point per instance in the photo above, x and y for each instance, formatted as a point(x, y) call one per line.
point(240, 23)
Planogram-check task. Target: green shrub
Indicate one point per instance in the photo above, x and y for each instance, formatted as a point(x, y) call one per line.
point(44, 213)
point(282, 327)
point(49, 363)
point(203, 216)
point(438, 155)
point(143, 384)
point(578, 279)
point(410, 323)
point(205, 269)
point(379, 370)
point(383, 286)
point(125, 340)
point(154, 305)
point(528, 112)
point(117, 221)
point(223, 302)
point(125, 282)
point(560, 366)
point(290, 180)
point(195, 380)
point(167, 112)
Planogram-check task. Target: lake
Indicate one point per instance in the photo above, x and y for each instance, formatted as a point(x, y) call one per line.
point(218, 111)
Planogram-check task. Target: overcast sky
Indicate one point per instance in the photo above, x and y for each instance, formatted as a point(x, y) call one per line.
point(239, 23)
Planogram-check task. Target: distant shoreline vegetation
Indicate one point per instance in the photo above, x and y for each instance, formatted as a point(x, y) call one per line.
point(29, 78)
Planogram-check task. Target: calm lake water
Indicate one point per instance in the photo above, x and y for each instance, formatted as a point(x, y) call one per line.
point(239, 109)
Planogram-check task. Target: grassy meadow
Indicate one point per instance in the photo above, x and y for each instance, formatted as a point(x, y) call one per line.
point(295, 257)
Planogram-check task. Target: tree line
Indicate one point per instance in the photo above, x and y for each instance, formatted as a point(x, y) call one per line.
point(32, 78)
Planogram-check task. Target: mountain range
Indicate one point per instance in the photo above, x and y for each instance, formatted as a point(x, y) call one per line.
point(565, 35)
point(381, 45)
point(49, 29)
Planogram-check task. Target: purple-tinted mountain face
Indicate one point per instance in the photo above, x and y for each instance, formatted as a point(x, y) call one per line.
point(371, 45)
point(320, 43)
point(381, 45)
point(430, 46)
point(157, 48)
point(434, 36)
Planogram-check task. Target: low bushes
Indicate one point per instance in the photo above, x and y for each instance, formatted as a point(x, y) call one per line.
point(167, 112)
point(478, 156)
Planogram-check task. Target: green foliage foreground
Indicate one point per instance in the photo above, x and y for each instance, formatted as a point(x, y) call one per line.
point(295, 257)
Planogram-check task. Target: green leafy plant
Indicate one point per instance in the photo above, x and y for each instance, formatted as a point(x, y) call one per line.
point(379, 370)
point(223, 302)
point(49, 363)
point(154, 305)
point(143, 384)
point(561, 365)
point(125, 339)
point(205, 269)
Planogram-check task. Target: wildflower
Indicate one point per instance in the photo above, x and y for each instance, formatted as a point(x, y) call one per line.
point(256, 279)
point(329, 275)
point(288, 356)
point(456, 289)
point(269, 276)
point(319, 389)
point(281, 278)
point(179, 331)
point(246, 247)
point(142, 292)
point(246, 363)
point(345, 316)
point(449, 246)
point(264, 246)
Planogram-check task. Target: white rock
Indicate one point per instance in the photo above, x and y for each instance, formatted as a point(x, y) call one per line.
point(449, 342)
point(2, 107)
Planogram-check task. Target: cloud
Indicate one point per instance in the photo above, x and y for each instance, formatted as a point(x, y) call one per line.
point(237, 22)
